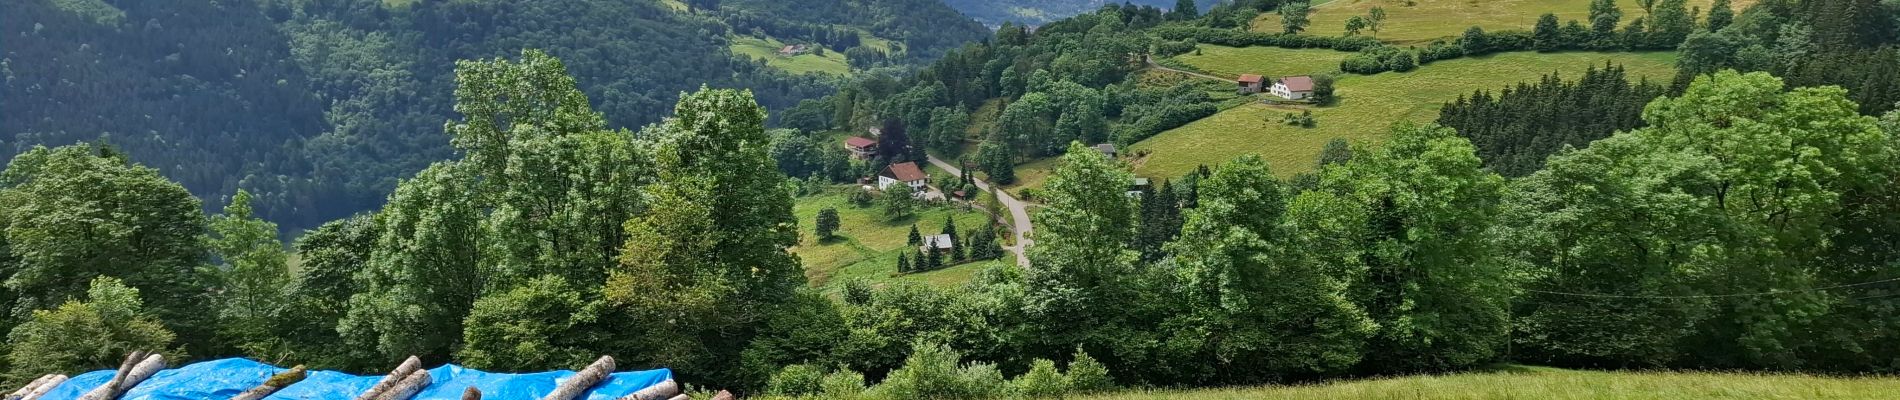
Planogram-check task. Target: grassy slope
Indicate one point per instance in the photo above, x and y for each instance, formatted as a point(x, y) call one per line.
point(1269, 61)
point(1556, 384)
point(833, 62)
point(868, 246)
point(1367, 106)
point(1431, 19)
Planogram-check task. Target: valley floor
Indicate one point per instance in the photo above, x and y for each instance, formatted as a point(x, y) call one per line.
point(1521, 382)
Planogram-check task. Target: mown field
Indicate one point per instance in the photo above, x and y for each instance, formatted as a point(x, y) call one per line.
point(1425, 20)
point(1367, 106)
point(1268, 61)
point(832, 62)
point(1518, 382)
point(867, 246)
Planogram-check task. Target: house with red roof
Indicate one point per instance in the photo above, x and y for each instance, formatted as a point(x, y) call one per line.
point(906, 173)
point(1294, 87)
point(861, 148)
point(1250, 83)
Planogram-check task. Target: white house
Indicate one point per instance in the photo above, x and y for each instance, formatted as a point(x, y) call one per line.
point(1293, 87)
point(904, 172)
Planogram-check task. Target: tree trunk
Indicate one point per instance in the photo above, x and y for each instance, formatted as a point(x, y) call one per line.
point(664, 390)
point(275, 383)
point(408, 387)
point(127, 377)
point(44, 387)
point(585, 379)
point(402, 371)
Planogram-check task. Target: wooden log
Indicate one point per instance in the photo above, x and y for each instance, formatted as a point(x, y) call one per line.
point(681, 397)
point(35, 384)
point(472, 393)
point(127, 377)
point(403, 370)
point(582, 380)
point(45, 387)
point(724, 395)
point(664, 390)
point(408, 387)
point(275, 383)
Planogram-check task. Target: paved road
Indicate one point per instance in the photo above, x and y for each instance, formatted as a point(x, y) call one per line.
point(1152, 64)
point(1018, 212)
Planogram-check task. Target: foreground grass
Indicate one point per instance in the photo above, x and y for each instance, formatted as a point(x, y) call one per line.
point(1425, 20)
point(1368, 105)
point(867, 245)
point(1551, 383)
point(833, 62)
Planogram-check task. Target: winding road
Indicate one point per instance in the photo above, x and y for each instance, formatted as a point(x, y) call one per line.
point(1018, 212)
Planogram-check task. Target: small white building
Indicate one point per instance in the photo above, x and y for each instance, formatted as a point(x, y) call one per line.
point(939, 242)
point(1293, 87)
point(904, 172)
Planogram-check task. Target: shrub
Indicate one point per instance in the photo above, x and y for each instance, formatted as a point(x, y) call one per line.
point(798, 380)
point(931, 372)
point(1087, 375)
point(86, 336)
point(842, 384)
point(1374, 60)
point(1043, 380)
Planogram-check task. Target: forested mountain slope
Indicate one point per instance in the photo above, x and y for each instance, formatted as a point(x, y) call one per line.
point(319, 106)
point(1037, 12)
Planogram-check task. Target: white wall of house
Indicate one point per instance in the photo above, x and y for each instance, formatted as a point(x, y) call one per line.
point(1280, 90)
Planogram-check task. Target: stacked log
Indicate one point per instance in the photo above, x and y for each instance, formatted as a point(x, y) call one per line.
point(583, 380)
point(37, 388)
point(408, 387)
point(275, 383)
point(665, 390)
point(395, 377)
point(130, 374)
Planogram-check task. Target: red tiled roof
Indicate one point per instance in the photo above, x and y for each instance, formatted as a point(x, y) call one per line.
point(855, 141)
point(1249, 78)
point(1298, 83)
point(905, 171)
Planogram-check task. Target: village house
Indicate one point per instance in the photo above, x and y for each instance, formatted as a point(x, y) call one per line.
point(861, 148)
point(1136, 186)
point(1250, 83)
point(940, 243)
point(906, 173)
point(1294, 87)
point(1106, 149)
point(792, 50)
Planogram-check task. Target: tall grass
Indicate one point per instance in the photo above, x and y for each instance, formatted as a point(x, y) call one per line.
point(1518, 382)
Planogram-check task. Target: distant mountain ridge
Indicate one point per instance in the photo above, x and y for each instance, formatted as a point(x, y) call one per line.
point(993, 13)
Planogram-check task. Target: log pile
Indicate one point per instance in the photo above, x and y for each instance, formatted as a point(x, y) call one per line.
point(275, 383)
point(666, 390)
point(37, 388)
point(136, 367)
point(395, 377)
point(583, 380)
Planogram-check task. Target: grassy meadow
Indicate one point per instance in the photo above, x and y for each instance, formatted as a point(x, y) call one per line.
point(833, 62)
point(867, 246)
point(1367, 106)
point(1518, 382)
point(1424, 20)
point(1231, 62)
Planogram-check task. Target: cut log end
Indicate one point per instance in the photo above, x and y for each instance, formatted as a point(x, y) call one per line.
point(408, 366)
point(472, 394)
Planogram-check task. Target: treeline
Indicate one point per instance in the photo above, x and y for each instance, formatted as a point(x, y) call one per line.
point(552, 240)
point(925, 28)
point(1515, 129)
point(1853, 44)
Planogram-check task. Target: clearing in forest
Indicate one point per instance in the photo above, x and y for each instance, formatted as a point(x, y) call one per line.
point(831, 62)
point(867, 245)
point(1367, 106)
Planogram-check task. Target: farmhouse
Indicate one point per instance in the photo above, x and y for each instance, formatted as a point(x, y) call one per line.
point(861, 148)
point(939, 242)
point(1106, 149)
point(906, 173)
point(792, 50)
point(1249, 83)
point(1294, 87)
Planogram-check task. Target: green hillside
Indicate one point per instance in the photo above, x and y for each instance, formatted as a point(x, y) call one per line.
point(867, 245)
point(1519, 382)
point(1413, 21)
point(831, 62)
point(1367, 105)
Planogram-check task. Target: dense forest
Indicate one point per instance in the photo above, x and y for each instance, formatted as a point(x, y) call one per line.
point(1737, 219)
point(319, 107)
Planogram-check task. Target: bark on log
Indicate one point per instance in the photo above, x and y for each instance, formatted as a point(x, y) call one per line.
point(402, 371)
point(585, 379)
point(724, 395)
point(681, 397)
point(275, 383)
point(664, 390)
point(45, 387)
point(408, 387)
point(35, 384)
point(125, 367)
point(472, 394)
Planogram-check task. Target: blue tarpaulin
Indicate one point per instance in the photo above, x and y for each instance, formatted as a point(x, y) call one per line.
point(222, 379)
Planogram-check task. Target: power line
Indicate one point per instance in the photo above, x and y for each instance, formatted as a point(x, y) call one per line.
point(1707, 296)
